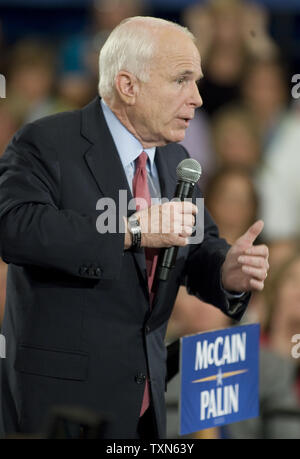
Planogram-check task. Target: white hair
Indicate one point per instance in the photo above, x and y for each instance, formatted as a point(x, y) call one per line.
point(131, 47)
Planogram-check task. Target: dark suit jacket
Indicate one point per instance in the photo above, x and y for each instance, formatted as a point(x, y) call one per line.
point(78, 326)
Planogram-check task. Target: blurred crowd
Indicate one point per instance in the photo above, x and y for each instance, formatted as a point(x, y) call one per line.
point(246, 137)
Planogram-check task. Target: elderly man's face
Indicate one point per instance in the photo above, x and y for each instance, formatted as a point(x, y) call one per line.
point(167, 102)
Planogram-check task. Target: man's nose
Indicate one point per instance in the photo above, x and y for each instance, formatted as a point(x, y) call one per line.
point(196, 99)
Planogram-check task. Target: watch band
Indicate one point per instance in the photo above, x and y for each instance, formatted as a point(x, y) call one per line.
point(136, 239)
point(135, 231)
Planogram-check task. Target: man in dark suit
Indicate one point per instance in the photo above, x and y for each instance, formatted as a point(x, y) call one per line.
point(79, 326)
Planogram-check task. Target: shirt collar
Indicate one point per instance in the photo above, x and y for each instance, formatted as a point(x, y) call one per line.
point(128, 147)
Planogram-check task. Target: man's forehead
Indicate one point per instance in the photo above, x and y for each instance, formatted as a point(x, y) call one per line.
point(177, 49)
point(183, 66)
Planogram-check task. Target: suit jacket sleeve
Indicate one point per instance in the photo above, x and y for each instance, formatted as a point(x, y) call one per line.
point(33, 228)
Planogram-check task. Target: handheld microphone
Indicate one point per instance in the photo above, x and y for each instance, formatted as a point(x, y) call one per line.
point(188, 173)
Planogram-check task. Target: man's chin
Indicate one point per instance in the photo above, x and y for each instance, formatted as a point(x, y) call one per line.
point(177, 136)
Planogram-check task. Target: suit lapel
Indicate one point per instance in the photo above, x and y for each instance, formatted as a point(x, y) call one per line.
point(106, 167)
point(102, 157)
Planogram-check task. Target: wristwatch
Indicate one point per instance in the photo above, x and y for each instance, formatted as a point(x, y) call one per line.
point(135, 230)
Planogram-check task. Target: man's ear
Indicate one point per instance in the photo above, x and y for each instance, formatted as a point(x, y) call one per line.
point(127, 86)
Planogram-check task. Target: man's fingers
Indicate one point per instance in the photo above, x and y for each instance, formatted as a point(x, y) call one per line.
point(256, 285)
point(259, 250)
point(257, 273)
point(252, 233)
point(175, 215)
point(187, 207)
point(186, 231)
point(168, 224)
point(249, 263)
point(180, 241)
point(257, 262)
point(182, 207)
point(186, 219)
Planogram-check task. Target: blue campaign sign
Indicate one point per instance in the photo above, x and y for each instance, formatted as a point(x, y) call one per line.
point(219, 377)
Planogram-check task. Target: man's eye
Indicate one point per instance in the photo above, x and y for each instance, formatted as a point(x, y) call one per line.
point(180, 80)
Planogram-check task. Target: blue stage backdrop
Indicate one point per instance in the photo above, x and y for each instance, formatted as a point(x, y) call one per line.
point(166, 4)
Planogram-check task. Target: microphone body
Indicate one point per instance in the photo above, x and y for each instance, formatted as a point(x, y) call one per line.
point(188, 173)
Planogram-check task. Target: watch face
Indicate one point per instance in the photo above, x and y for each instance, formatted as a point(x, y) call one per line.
point(133, 220)
point(135, 230)
point(133, 223)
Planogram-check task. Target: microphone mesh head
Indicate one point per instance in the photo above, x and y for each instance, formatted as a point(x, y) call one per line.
point(188, 170)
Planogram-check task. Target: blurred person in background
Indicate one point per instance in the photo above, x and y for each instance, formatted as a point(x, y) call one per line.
point(78, 54)
point(236, 138)
point(225, 55)
point(73, 90)
point(34, 87)
point(228, 33)
point(198, 18)
point(30, 81)
point(264, 90)
point(232, 200)
point(283, 299)
point(198, 142)
point(279, 189)
point(8, 124)
point(109, 13)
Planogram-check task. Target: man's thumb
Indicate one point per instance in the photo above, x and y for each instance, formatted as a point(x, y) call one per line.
point(251, 234)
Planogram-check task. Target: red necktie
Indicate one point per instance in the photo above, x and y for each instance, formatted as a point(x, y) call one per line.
point(141, 190)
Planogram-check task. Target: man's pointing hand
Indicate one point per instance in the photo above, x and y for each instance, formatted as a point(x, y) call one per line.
point(246, 266)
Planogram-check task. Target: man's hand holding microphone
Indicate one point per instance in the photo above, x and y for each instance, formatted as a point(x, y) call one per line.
point(169, 226)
